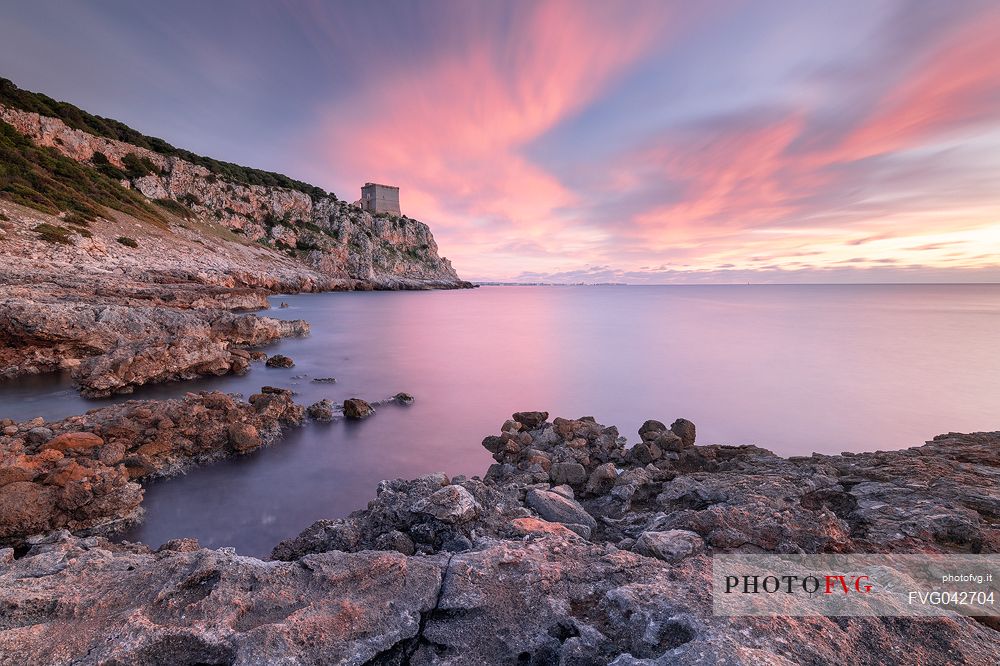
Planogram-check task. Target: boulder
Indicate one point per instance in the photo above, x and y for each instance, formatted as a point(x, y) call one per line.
point(356, 408)
point(244, 437)
point(668, 440)
point(564, 490)
point(568, 472)
point(602, 479)
point(650, 429)
point(397, 541)
point(685, 430)
point(39, 434)
point(670, 545)
point(403, 398)
point(559, 509)
point(74, 441)
point(531, 420)
point(451, 504)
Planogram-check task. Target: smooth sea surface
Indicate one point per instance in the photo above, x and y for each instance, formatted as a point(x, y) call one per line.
point(795, 369)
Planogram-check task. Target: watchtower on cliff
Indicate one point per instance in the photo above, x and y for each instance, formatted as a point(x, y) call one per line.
point(376, 198)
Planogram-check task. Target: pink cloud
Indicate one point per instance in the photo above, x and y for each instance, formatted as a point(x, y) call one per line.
point(955, 86)
point(453, 128)
point(738, 180)
point(453, 131)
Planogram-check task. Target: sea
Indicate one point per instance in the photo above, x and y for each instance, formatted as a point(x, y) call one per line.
point(795, 369)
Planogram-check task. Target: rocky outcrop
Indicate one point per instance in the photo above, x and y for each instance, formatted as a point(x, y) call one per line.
point(441, 570)
point(115, 348)
point(280, 361)
point(80, 474)
point(337, 240)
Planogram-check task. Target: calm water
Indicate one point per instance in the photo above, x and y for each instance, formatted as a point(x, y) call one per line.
point(795, 369)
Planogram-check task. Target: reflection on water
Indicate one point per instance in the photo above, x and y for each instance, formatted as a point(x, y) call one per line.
point(795, 369)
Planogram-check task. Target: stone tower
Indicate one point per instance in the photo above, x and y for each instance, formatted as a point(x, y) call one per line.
point(377, 198)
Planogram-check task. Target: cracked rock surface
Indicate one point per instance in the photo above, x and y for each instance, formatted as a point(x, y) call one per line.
point(440, 570)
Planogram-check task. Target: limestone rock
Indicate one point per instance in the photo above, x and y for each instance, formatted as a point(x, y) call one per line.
point(670, 545)
point(451, 504)
point(559, 509)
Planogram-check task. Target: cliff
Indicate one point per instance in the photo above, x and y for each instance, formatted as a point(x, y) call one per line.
point(339, 241)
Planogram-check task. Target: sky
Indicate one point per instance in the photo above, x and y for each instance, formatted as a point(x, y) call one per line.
point(568, 141)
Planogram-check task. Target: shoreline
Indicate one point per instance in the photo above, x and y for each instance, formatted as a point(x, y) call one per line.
point(606, 541)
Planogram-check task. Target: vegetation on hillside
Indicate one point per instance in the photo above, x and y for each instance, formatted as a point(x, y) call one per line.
point(11, 95)
point(45, 180)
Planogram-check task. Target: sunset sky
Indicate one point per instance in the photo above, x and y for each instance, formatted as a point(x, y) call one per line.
point(642, 142)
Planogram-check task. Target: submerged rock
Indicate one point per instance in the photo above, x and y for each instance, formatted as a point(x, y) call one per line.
point(280, 361)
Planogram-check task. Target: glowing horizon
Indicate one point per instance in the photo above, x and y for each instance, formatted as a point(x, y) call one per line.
point(643, 142)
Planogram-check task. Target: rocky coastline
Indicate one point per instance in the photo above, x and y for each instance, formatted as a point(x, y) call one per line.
point(128, 266)
point(573, 548)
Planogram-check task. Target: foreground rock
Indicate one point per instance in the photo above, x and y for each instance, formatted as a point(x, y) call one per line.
point(80, 474)
point(441, 570)
point(545, 599)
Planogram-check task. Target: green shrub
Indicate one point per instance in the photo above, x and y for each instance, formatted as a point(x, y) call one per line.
point(128, 242)
point(137, 167)
point(305, 244)
point(53, 234)
point(100, 161)
point(46, 180)
point(175, 207)
point(4, 218)
point(73, 217)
